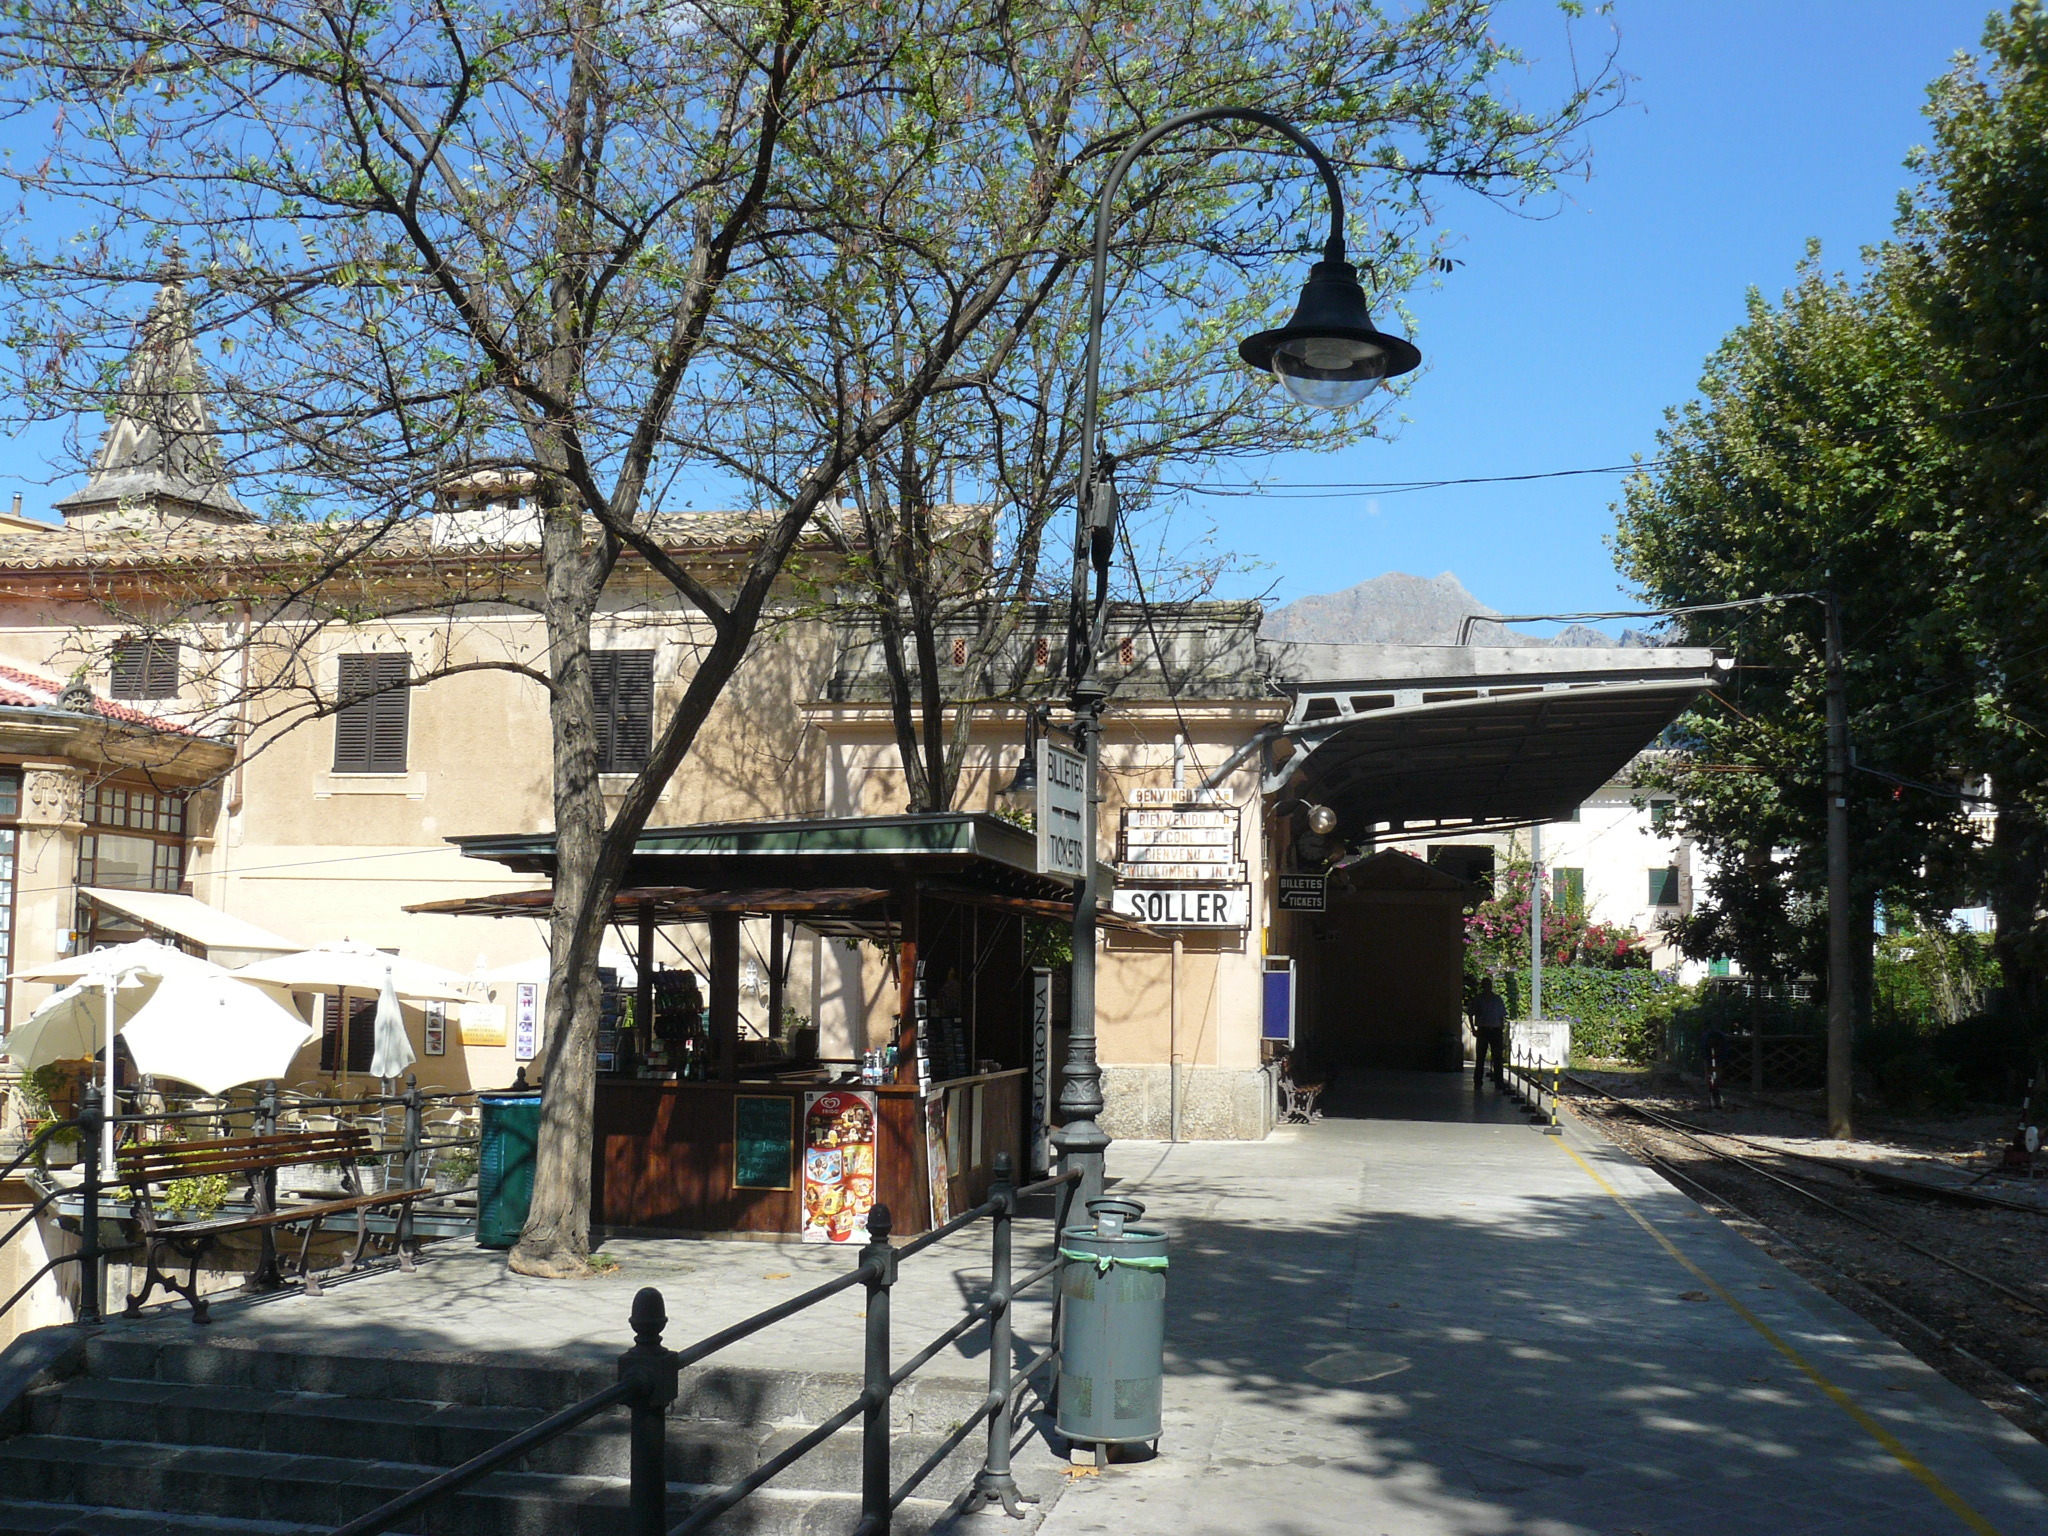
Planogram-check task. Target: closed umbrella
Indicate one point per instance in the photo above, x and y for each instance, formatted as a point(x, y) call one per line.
point(347, 967)
point(215, 1032)
point(394, 1051)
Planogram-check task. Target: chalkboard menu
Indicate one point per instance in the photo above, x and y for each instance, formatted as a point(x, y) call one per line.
point(763, 1141)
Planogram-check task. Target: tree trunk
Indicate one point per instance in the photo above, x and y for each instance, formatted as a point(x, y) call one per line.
point(555, 1243)
point(2019, 858)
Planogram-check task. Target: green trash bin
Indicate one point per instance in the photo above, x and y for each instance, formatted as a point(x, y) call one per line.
point(504, 1182)
point(1112, 1327)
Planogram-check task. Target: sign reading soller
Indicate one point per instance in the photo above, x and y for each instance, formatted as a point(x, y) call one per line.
point(1224, 906)
point(1062, 812)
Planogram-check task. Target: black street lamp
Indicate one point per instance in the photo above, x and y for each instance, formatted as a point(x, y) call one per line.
point(1329, 355)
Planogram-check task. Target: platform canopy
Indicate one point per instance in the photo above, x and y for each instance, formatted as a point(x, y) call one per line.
point(837, 875)
point(1469, 737)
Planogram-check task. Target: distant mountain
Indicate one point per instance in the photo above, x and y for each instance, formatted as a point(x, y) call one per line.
point(1399, 609)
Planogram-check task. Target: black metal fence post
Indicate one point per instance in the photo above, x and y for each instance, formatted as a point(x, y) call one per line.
point(652, 1370)
point(91, 1265)
point(878, 1259)
point(263, 1187)
point(414, 1164)
point(994, 1484)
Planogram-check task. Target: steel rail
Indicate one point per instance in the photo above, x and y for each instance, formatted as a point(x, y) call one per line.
point(770, 1469)
point(385, 1515)
point(1673, 1171)
point(2031, 1303)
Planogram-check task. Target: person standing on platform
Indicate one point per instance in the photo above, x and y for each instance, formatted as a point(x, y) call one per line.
point(1490, 1030)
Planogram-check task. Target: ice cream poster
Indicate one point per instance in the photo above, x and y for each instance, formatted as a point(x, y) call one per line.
point(839, 1165)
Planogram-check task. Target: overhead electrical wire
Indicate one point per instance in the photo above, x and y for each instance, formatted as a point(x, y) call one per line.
point(1301, 489)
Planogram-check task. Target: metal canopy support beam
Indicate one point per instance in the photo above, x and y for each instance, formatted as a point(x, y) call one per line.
point(725, 995)
point(643, 979)
point(776, 942)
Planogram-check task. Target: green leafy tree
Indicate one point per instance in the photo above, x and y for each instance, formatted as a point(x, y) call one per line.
point(1810, 461)
point(1971, 258)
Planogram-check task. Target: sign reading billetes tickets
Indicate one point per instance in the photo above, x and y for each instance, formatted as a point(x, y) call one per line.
point(839, 1165)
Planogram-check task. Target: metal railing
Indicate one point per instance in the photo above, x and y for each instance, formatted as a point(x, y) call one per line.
point(1526, 1076)
point(650, 1379)
point(263, 1114)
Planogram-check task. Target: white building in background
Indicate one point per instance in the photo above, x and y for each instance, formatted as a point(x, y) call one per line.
point(1627, 864)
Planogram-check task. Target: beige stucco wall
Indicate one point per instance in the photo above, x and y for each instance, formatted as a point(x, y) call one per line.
point(314, 855)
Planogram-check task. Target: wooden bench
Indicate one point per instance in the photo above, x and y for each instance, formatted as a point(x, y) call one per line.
point(1298, 1098)
point(256, 1158)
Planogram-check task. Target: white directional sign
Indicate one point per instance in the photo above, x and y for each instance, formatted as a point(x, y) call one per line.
point(1195, 839)
point(1062, 812)
point(1185, 906)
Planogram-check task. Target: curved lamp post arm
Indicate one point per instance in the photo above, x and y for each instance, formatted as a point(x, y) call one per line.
point(1082, 666)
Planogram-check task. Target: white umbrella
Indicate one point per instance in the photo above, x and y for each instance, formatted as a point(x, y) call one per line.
point(346, 967)
point(70, 1026)
point(349, 967)
point(107, 987)
point(143, 956)
point(215, 1032)
point(394, 1051)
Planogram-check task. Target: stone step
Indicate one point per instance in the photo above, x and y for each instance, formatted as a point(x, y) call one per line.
point(21, 1518)
point(325, 1491)
point(710, 1392)
point(705, 1452)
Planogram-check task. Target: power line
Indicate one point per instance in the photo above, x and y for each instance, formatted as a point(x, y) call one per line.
point(1401, 487)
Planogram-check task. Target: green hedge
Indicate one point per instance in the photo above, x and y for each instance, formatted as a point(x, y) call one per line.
point(1615, 1015)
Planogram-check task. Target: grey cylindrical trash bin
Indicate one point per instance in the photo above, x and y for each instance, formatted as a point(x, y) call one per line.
point(1113, 1327)
point(504, 1176)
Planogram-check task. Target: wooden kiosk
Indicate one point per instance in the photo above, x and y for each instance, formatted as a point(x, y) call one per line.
point(805, 1147)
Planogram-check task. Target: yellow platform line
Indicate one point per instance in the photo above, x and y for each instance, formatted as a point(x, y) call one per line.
point(1955, 1502)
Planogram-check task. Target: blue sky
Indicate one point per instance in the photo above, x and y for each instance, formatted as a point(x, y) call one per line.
point(1752, 126)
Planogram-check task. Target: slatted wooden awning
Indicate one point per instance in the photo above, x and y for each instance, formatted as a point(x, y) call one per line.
point(838, 912)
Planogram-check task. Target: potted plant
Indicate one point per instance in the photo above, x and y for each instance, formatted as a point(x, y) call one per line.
point(455, 1169)
point(370, 1172)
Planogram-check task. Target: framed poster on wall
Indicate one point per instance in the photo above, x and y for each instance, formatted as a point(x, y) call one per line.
point(839, 1165)
point(526, 1021)
point(437, 1029)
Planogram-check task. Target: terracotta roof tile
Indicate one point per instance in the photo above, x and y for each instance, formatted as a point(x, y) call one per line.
point(144, 545)
point(25, 690)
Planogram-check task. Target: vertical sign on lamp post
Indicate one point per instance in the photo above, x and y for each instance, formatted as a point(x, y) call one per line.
point(1062, 813)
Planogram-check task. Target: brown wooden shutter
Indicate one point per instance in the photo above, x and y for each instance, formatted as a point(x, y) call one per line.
point(145, 669)
point(130, 664)
point(604, 677)
point(632, 710)
point(371, 726)
point(393, 713)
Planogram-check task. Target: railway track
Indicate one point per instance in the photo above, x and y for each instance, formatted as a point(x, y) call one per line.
point(1979, 1316)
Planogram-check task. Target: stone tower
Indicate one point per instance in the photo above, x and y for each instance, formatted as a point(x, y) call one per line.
point(160, 460)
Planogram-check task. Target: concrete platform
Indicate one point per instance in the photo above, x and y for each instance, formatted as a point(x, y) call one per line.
point(1422, 1316)
point(1418, 1316)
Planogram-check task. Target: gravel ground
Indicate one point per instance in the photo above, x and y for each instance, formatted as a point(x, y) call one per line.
point(1873, 1272)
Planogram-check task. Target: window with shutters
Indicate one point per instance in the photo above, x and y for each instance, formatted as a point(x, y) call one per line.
point(623, 683)
point(376, 703)
point(362, 1034)
point(145, 669)
point(1664, 886)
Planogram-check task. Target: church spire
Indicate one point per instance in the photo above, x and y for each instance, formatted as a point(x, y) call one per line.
point(161, 453)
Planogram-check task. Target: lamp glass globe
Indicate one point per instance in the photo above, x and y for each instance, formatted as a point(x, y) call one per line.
point(1329, 372)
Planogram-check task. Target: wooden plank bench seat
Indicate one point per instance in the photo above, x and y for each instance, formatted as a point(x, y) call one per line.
point(256, 1158)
